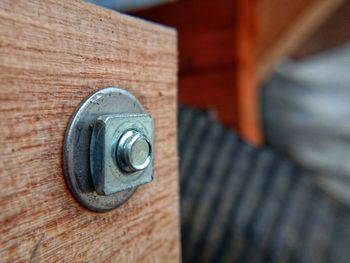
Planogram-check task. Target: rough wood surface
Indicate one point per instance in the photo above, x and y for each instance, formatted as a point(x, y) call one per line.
point(52, 55)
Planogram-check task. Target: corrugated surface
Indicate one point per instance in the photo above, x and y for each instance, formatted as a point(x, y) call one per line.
point(243, 204)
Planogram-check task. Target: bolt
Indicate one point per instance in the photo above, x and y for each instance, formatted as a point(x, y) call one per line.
point(133, 151)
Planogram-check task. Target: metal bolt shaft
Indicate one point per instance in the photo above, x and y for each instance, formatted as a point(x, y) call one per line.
point(133, 151)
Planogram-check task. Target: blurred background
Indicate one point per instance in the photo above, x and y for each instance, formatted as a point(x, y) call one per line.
point(264, 126)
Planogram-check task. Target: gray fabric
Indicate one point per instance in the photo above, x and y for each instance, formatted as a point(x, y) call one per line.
point(306, 115)
point(244, 204)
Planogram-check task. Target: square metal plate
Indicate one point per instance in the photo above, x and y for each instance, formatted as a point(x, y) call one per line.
point(108, 178)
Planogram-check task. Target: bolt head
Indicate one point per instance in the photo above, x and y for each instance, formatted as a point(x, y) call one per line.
point(134, 151)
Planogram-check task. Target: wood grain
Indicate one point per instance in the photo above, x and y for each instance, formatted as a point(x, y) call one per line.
point(333, 33)
point(52, 55)
point(297, 20)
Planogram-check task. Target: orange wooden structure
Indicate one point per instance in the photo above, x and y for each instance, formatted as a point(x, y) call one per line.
point(226, 48)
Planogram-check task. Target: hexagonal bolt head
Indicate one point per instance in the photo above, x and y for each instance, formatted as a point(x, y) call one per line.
point(121, 152)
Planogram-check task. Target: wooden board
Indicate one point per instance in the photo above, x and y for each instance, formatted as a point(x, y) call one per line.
point(52, 55)
point(205, 28)
point(331, 34)
point(211, 90)
point(297, 20)
point(248, 103)
point(217, 68)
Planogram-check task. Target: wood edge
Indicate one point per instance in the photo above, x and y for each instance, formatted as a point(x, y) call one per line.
point(311, 18)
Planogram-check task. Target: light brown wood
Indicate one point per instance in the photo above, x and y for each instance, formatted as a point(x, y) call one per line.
point(52, 55)
point(283, 25)
point(334, 32)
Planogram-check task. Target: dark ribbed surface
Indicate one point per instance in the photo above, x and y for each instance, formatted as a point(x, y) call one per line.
point(242, 204)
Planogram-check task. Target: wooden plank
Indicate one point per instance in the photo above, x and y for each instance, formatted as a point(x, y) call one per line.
point(52, 55)
point(296, 20)
point(206, 31)
point(246, 71)
point(211, 90)
point(331, 34)
point(216, 58)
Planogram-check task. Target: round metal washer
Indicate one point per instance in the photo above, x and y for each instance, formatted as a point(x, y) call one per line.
point(111, 100)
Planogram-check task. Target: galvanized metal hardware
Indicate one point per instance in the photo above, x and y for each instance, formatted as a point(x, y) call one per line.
point(134, 151)
point(121, 152)
point(108, 149)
